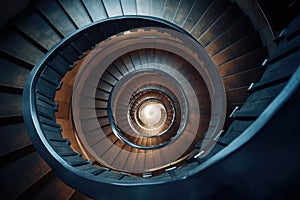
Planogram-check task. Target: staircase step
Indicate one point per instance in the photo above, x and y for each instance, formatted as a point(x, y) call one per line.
point(285, 48)
point(199, 7)
point(129, 7)
point(94, 36)
point(96, 171)
point(143, 7)
point(28, 165)
point(15, 61)
point(46, 111)
point(169, 12)
point(108, 78)
point(243, 62)
point(237, 95)
point(17, 136)
point(182, 11)
point(214, 10)
point(76, 11)
point(36, 27)
point(293, 29)
point(279, 71)
point(243, 46)
point(102, 95)
point(48, 187)
point(258, 101)
point(105, 87)
point(65, 150)
point(11, 104)
point(70, 54)
point(75, 160)
point(116, 176)
point(234, 81)
point(17, 46)
point(46, 89)
point(228, 18)
point(115, 72)
point(59, 64)
point(112, 8)
point(82, 43)
point(51, 76)
point(230, 36)
point(120, 66)
point(53, 134)
point(96, 9)
point(44, 101)
point(56, 16)
point(236, 128)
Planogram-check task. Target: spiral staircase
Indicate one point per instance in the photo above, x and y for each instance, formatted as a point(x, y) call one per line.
point(147, 99)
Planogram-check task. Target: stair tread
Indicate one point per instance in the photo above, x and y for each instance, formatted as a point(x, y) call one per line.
point(52, 11)
point(142, 7)
point(278, 71)
point(17, 46)
point(49, 186)
point(293, 29)
point(243, 46)
point(195, 13)
point(258, 101)
point(113, 9)
point(36, 27)
point(59, 64)
point(243, 62)
point(235, 129)
point(11, 104)
point(96, 9)
point(284, 67)
point(234, 81)
point(76, 11)
point(214, 10)
point(33, 168)
point(170, 9)
point(183, 9)
point(224, 22)
point(17, 135)
point(75, 160)
point(230, 36)
point(129, 7)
